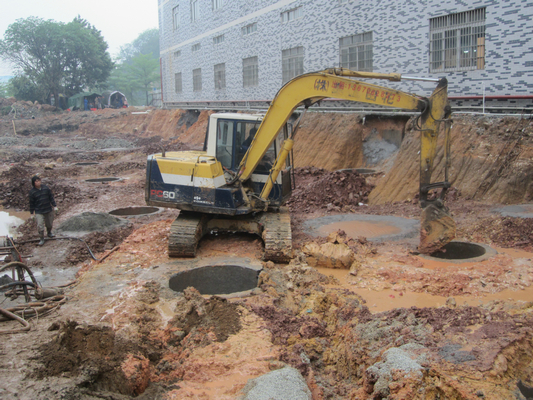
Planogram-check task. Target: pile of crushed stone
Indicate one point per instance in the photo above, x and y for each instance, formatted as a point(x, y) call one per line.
point(91, 222)
point(317, 188)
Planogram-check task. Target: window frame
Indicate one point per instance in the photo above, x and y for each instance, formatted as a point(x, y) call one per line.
point(249, 29)
point(195, 10)
point(197, 80)
point(218, 40)
point(178, 88)
point(250, 71)
point(292, 63)
point(292, 14)
point(175, 18)
point(457, 41)
point(220, 76)
point(217, 4)
point(356, 52)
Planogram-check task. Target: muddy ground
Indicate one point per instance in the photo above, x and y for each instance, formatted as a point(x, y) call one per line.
point(359, 318)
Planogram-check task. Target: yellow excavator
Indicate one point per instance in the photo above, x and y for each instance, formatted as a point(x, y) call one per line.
point(242, 178)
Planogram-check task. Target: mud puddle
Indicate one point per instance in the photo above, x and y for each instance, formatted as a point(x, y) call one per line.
point(389, 299)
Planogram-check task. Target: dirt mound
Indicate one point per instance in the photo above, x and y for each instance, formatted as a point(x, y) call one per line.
point(320, 189)
point(91, 222)
point(93, 354)
point(196, 316)
point(509, 232)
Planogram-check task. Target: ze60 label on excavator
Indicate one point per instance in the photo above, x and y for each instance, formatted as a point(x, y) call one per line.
point(163, 193)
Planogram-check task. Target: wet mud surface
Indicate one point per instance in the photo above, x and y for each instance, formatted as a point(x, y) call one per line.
point(359, 318)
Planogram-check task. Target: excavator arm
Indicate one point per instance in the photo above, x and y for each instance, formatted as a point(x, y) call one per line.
point(437, 227)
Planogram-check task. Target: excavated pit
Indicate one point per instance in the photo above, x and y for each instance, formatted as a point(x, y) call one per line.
point(102, 180)
point(463, 252)
point(82, 164)
point(134, 211)
point(216, 279)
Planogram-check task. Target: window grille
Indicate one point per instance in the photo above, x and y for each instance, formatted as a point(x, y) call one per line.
point(246, 30)
point(196, 47)
point(457, 41)
point(177, 53)
point(291, 15)
point(220, 76)
point(175, 18)
point(177, 82)
point(356, 52)
point(197, 79)
point(218, 39)
point(250, 72)
point(217, 4)
point(292, 63)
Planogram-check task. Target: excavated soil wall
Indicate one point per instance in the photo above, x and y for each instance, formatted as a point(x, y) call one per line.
point(491, 156)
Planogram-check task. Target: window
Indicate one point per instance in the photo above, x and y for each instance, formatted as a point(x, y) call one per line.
point(195, 9)
point(218, 39)
point(196, 47)
point(291, 14)
point(292, 63)
point(197, 79)
point(457, 41)
point(356, 52)
point(217, 4)
point(250, 72)
point(177, 82)
point(246, 30)
point(177, 53)
point(175, 18)
point(220, 76)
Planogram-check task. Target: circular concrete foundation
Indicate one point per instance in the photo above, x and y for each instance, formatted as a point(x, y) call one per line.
point(102, 180)
point(134, 211)
point(460, 252)
point(216, 279)
point(87, 163)
point(373, 227)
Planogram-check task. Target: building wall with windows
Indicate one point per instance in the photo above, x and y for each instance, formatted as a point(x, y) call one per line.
point(245, 50)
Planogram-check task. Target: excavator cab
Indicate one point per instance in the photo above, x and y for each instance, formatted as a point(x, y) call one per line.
point(229, 143)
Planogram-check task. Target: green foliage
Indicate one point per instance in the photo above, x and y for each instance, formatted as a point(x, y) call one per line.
point(23, 88)
point(146, 43)
point(5, 90)
point(138, 69)
point(57, 57)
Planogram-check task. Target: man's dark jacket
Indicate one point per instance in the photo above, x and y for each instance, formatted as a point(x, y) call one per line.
point(41, 200)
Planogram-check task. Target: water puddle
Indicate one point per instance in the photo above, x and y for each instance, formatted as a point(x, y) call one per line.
point(354, 229)
point(388, 299)
point(10, 221)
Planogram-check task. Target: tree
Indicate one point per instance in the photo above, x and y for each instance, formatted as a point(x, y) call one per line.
point(144, 70)
point(57, 57)
point(137, 68)
point(146, 43)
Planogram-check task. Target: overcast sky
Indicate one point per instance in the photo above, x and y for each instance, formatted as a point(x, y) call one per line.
point(120, 21)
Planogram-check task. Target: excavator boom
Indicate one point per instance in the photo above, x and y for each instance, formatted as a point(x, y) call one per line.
point(437, 226)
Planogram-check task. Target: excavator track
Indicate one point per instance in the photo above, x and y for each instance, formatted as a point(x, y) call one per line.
point(185, 233)
point(277, 235)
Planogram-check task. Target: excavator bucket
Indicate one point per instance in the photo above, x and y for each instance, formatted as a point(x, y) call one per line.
point(437, 229)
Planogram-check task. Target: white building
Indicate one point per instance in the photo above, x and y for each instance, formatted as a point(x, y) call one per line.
point(220, 51)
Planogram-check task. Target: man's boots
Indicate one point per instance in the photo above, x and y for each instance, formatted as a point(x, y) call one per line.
point(41, 236)
point(50, 234)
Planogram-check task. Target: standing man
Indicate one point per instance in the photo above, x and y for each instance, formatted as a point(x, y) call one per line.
point(41, 201)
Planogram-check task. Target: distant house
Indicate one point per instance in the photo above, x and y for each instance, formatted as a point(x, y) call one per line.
point(221, 50)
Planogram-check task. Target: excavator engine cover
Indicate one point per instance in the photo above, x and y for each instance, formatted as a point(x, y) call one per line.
point(437, 229)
